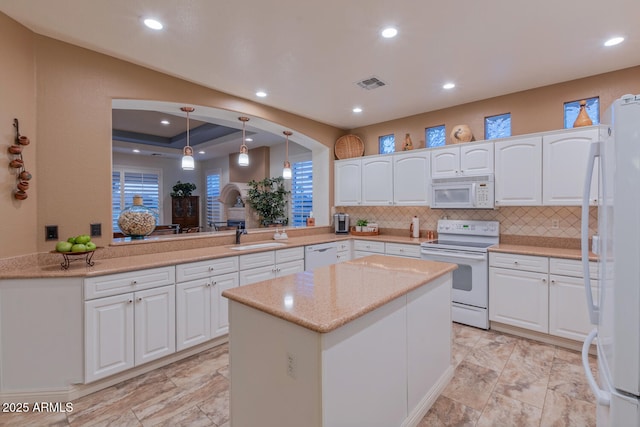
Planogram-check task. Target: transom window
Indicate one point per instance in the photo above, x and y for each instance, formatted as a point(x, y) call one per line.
point(571, 110)
point(497, 126)
point(435, 136)
point(387, 144)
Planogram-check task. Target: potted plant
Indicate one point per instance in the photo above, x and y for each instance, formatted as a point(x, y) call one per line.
point(361, 223)
point(183, 189)
point(268, 198)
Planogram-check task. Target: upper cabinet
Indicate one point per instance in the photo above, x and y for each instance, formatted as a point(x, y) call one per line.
point(348, 182)
point(377, 180)
point(564, 167)
point(462, 159)
point(518, 174)
point(411, 178)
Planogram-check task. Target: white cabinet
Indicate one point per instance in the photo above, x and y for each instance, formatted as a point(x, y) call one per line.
point(564, 167)
point(540, 293)
point(402, 250)
point(268, 265)
point(411, 178)
point(127, 330)
point(377, 180)
point(343, 251)
point(462, 159)
point(347, 182)
point(518, 172)
point(518, 296)
point(362, 248)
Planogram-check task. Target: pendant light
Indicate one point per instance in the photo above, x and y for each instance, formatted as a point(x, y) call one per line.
point(188, 163)
point(286, 171)
point(243, 158)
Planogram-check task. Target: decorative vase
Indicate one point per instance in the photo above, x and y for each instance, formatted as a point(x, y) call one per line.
point(137, 221)
point(408, 144)
point(461, 133)
point(583, 118)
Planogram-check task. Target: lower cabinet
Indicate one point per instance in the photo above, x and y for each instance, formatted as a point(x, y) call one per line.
point(126, 330)
point(362, 248)
point(261, 266)
point(402, 250)
point(540, 294)
point(343, 251)
point(201, 310)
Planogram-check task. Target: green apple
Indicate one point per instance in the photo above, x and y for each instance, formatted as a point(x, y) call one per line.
point(83, 239)
point(78, 247)
point(71, 240)
point(90, 246)
point(63, 246)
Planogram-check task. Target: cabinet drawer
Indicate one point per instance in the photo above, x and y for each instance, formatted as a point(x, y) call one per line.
point(289, 254)
point(254, 275)
point(538, 264)
point(343, 246)
point(400, 249)
point(571, 267)
point(200, 269)
point(258, 259)
point(343, 256)
point(368, 246)
point(114, 284)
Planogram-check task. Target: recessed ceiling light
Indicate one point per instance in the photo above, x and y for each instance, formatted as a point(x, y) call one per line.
point(165, 122)
point(261, 93)
point(200, 152)
point(135, 150)
point(248, 139)
point(614, 41)
point(389, 32)
point(153, 24)
point(357, 110)
point(448, 86)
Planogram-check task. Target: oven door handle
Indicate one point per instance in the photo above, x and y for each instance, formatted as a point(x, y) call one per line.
point(453, 255)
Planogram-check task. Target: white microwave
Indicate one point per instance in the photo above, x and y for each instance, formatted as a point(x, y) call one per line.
point(467, 192)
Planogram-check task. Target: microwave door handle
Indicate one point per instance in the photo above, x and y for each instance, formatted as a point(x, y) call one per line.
point(473, 194)
point(594, 312)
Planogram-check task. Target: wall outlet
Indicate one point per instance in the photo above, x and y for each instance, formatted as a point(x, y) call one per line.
point(51, 232)
point(96, 230)
point(291, 365)
point(555, 224)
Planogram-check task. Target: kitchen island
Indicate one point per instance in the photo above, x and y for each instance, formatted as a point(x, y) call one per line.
point(366, 342)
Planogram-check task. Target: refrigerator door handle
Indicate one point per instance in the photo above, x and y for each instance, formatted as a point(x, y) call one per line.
point(594, 312)
point(602, 397)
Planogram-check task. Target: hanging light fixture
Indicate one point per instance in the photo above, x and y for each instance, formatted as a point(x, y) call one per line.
point(188, 163)
point(286, 171)
point(243, 158)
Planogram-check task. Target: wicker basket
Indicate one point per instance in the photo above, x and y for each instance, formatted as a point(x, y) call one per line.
point(349, 146)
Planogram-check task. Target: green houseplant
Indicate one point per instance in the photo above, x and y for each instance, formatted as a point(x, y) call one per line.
point(361, 223)
point(268, 198)
point(183, 189)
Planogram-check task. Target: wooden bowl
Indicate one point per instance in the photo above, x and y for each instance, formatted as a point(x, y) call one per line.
point(20, 195)
point(15, 149)
point(23, 185)
point(23, 140)
point(25, 176)
point(16, 163)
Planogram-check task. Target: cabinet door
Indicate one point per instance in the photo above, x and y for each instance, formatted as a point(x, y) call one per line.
point(259, 274)
point(108, 336)
point(402, 250)
point(568, 314)
point(518, 172)
point(155, 323)
point(290, 268)
point(411, 179)
point(204, 269)
point(519, 298)
point(193, 313)
point(220, 304)
point(377, 181)
point(476, 159)
point(347, 178)
point(564, 167)
point(445, 162)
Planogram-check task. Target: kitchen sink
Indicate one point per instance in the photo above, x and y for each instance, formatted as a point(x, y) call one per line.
point(258, 246)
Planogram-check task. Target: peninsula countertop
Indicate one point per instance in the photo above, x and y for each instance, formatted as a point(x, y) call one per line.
point(329, 297)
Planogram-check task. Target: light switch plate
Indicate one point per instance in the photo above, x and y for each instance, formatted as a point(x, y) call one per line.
point(96, 230)
point(51, 232)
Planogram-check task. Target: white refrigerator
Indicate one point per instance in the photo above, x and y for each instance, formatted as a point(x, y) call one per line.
point(614, 308)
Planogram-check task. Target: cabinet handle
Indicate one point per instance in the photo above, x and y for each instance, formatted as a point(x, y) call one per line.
point(553, 281)
point(214, 283)
point(515, 262)
point(130, 301)
point(544, 280)
point(139, 299)
point(278, 269)
point(134, 282)
point(208, 284)
point(211, 269)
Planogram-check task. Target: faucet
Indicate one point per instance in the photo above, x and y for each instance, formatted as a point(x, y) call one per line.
point(239, 232)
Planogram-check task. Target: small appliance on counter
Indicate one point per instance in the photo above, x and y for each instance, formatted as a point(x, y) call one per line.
point(341, 223)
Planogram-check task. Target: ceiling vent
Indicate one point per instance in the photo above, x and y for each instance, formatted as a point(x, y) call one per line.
point(371, 83)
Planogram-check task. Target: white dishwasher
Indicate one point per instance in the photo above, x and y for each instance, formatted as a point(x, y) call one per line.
point(320, 255)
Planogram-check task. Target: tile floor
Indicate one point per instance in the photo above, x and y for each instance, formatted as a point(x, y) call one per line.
point(500, 380)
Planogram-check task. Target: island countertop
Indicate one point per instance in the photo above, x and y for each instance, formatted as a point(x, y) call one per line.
point(329, 297)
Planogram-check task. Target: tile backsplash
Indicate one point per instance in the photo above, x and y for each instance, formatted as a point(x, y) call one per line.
point(538, 221)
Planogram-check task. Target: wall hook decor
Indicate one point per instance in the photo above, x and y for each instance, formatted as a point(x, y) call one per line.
point(17, 163)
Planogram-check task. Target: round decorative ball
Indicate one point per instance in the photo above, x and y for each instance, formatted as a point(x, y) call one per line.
point(461, 133)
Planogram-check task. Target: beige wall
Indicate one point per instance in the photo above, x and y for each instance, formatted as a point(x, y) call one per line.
point(71, 139)
point(534, 110)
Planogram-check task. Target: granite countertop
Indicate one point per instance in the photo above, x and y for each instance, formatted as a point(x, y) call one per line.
point(329, 297)
point(542, 251)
